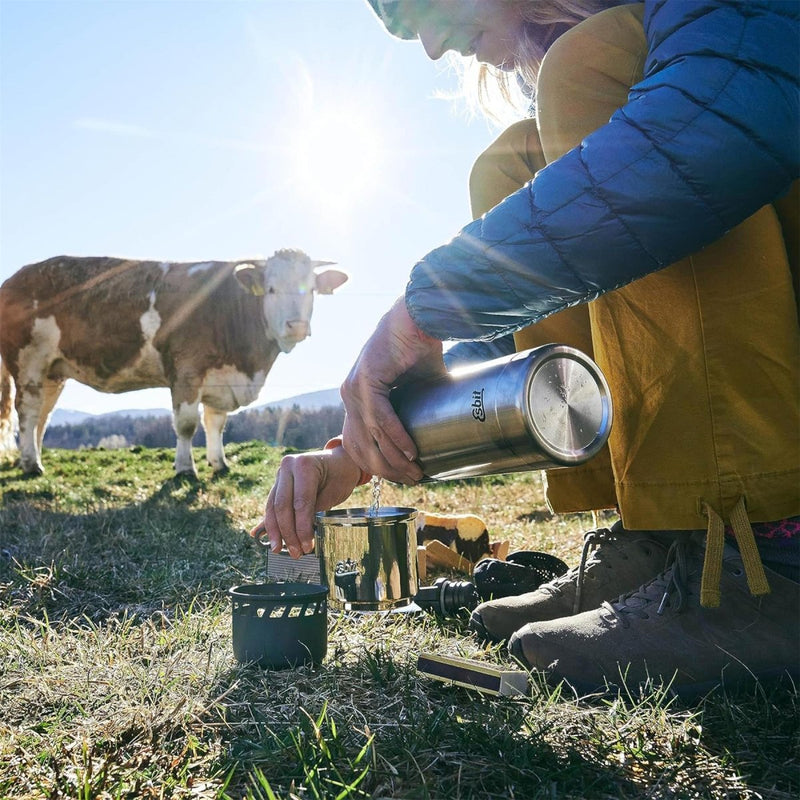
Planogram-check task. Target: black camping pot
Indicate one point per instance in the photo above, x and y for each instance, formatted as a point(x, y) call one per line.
point(280, 625)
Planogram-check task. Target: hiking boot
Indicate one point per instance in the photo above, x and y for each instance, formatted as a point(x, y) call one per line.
point(612, 562)
point(661, 633)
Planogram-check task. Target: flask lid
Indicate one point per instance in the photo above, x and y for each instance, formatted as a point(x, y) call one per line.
point(569, 407)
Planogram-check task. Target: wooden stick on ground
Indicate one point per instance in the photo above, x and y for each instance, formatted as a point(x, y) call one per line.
point(441, 555)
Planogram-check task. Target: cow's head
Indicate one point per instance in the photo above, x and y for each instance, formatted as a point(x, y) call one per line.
point(286, 282)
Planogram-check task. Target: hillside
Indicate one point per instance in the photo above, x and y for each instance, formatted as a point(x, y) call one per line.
point(303, 422)
point(310, 401)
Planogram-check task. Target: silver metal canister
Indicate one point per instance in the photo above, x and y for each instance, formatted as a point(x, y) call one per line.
point(538, 409)
point(368, 558)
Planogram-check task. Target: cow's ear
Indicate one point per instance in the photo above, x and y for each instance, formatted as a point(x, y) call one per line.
point(330, 279)
point(249, 276)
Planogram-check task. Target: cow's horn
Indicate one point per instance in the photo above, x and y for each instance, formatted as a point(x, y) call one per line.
point(317, 264)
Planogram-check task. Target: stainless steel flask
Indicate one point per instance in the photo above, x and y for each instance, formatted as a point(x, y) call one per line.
point(538, 409)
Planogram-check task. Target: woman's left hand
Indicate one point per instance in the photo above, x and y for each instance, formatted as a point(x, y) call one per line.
point(373, 436)
point(305, 483)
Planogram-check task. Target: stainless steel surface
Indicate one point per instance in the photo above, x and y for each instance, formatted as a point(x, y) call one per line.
point(539, 409)
point(369, 562)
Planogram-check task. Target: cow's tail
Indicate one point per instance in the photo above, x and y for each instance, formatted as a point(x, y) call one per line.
point(7, 414)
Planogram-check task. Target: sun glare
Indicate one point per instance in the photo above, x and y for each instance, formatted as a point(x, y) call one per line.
point(338, 159)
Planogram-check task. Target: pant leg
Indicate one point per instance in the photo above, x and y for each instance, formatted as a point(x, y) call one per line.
point(506, 165)
point(569, 107)
point(703, 357)
point(788, 208)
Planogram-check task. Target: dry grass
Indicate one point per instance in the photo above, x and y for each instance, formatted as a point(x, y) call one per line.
point(117, 677)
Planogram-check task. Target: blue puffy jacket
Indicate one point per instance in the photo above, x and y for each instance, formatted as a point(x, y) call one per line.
point(708, 137)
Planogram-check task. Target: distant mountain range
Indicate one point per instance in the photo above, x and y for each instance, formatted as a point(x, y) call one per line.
point(307, 402)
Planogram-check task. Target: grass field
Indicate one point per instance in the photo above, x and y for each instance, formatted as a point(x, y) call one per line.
point(117, 677)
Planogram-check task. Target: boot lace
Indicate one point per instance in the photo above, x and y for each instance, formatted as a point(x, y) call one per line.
point(669, 588)
point(592, 540)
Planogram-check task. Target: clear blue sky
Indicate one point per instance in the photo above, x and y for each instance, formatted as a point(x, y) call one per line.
point(223, 129)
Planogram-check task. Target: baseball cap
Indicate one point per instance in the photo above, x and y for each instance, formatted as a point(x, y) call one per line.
point(387, 11)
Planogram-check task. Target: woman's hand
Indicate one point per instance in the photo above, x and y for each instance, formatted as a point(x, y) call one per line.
point(374, 437)
point(304, 484)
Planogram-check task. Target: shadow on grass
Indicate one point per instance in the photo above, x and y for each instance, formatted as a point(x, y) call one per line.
point(151, 556)
point(757, 729)
point(410, 737)
point(425, 740)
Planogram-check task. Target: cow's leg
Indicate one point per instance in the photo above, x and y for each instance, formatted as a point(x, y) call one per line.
point(185, 418)
point(28, 402)
point(7, 393)
point(214, 424)
point(51, 391)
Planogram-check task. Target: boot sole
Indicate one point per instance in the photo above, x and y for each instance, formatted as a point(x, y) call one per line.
point(687, 692)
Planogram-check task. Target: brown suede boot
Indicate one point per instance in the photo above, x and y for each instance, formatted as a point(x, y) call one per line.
point(661, 633)
point(613, 562)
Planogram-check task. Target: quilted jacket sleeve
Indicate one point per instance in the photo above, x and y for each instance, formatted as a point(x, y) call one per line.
point(464, 353)
point(708, 137)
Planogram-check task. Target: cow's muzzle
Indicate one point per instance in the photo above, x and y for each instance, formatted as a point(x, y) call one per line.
point(294, 331)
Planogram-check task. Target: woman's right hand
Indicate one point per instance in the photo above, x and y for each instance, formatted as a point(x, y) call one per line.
point(305, 484)
point(374, 436)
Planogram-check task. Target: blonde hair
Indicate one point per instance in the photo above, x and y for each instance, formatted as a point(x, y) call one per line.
point(545, 21)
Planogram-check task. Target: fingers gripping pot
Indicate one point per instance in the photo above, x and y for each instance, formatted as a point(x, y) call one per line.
point(368, 558)
point(538, 409)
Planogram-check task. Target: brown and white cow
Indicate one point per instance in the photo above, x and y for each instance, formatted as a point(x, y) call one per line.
point(210, 331)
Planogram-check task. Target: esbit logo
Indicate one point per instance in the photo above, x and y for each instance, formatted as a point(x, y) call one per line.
point(478, 411)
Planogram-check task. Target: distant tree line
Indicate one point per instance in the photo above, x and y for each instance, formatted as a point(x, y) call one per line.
point(286, 427)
